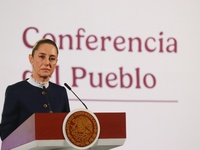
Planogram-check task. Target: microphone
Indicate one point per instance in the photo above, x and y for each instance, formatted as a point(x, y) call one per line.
point(69, 88)
point(45, 93)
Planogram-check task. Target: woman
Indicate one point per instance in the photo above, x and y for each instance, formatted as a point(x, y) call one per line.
point(36, 94)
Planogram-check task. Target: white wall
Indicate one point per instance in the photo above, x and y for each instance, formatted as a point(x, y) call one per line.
point(163, 117)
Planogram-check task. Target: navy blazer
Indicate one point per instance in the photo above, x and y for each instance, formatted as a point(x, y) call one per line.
point(23, 99)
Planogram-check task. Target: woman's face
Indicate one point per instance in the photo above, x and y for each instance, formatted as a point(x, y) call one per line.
point(44, 62)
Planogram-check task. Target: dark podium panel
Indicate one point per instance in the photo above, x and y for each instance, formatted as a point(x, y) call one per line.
point(43, 131)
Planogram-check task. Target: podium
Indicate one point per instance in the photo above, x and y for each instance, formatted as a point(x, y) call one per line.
point(43, 131)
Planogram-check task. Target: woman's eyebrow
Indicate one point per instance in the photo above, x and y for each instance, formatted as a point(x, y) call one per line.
point(46, 54)
point(42, 53)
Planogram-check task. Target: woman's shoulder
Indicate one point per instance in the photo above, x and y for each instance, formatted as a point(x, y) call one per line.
point(56, 87)
point(18, 85)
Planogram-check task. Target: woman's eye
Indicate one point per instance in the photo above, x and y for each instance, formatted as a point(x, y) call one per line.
point(52, 59)
point(42, 57)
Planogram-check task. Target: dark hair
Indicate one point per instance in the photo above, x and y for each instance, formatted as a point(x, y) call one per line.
point(43, 41)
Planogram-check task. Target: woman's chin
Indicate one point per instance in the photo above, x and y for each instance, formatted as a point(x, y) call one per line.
point(45, 76)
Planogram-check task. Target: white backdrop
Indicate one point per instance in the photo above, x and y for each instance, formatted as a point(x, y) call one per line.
point(162, 103)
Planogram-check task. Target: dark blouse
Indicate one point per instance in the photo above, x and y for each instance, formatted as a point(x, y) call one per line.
point(23, 99)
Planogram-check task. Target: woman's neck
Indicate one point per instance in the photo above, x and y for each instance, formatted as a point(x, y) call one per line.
point(37, 83)
point(40, 79)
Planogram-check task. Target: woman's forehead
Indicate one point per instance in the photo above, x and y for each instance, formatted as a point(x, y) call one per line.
point(47, 49)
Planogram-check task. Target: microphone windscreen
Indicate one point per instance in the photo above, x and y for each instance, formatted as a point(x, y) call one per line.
point(69, 88)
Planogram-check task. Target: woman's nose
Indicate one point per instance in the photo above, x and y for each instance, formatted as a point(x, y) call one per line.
point(46, 60)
